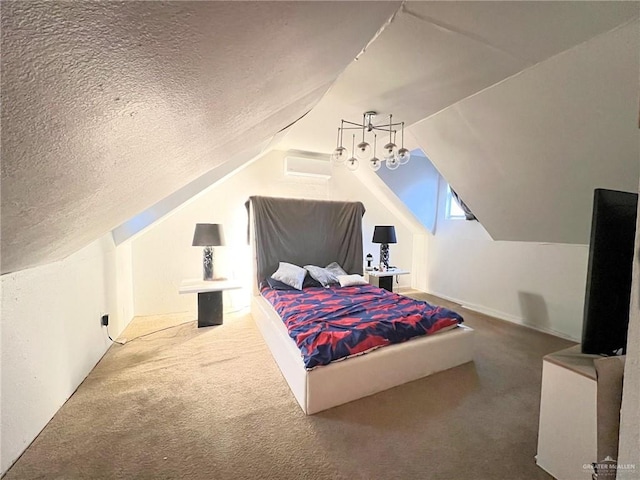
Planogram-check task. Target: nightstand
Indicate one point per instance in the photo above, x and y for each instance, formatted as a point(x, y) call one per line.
point(210, 308)
point(384, 279)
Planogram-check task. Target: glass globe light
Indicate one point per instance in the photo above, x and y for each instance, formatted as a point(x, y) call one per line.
point(364, 150)
point(393, 163)
point(375, 163)
point(403, 156)
point(353, 163)
point(390, 150)
point(339, 155)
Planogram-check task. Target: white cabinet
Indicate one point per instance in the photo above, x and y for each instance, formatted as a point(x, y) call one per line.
point(567, 438)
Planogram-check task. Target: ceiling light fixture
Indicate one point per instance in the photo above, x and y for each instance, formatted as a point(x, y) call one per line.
point(393, 156)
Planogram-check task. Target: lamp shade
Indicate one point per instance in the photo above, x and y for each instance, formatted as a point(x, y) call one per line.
point(384, 234)
point(208, 235)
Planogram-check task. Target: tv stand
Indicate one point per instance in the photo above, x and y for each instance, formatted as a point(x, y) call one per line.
point(567, 435)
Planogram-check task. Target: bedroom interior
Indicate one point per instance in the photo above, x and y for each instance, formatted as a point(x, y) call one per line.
point(524, 126)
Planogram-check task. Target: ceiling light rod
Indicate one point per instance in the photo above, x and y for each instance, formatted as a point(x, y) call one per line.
point(392, 155)
point(367, 124)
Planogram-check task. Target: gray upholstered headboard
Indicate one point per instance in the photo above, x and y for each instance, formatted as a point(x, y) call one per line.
point(305, 232)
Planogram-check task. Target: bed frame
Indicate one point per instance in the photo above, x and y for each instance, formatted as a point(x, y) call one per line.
point(356, 377)
point(359, 376)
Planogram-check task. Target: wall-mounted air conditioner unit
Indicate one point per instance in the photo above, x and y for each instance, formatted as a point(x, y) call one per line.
point(307, 167)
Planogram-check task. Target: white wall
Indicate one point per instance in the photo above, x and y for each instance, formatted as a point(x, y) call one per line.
point(536, 284)
point(52, 337)
point(124, 283)
point(163, 255)
point(629, 451)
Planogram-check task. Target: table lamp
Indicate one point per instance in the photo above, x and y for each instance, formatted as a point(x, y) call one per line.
point(208, 235)
point(384, 235)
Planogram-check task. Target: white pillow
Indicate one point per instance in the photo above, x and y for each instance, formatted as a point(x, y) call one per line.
point(351, 280)
point(322, 275)
point(290, 274)
point(335, 269)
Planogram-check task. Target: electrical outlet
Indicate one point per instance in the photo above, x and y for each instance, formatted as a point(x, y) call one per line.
point(104, 320)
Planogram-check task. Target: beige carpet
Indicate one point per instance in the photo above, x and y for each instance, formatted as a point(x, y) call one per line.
point(211, 404)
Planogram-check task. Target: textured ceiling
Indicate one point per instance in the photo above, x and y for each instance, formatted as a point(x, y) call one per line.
point(108, 107)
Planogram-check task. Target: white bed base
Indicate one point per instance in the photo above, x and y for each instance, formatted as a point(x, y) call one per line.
point(356, 377)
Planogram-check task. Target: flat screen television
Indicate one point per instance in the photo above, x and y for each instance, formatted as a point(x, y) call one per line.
point(608, 293)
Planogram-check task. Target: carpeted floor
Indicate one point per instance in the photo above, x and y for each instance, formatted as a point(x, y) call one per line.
point(211, 404)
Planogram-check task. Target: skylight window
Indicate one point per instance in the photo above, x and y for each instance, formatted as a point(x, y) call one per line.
point(453, 209)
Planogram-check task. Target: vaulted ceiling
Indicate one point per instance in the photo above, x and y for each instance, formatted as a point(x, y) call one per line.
point(108, 108)
point(523, 107)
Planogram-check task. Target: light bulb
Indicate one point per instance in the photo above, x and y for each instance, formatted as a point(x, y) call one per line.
point(353, 163)
point(375, 163)
point(390, 150)
point(364, 150)
point(403, 156)
point(393, 163)
point(339, 155)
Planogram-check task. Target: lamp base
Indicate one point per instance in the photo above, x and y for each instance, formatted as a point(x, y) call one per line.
point(384, 256)
point(207, 263)
point(208, 267)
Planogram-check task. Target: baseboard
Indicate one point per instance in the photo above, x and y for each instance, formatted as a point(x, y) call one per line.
point(503, 316)
point(404, 289)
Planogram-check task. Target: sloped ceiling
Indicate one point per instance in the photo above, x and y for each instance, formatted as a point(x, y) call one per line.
point(524, 107)
point(435, 54)
point(108, 107)
point(526, 155)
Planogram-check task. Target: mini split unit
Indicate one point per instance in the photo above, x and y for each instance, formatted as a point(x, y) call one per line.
point(307, 167)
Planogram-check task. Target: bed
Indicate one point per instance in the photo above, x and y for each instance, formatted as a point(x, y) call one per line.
point(320, 232)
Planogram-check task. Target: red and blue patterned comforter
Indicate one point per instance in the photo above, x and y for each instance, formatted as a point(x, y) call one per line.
point(333, 323)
